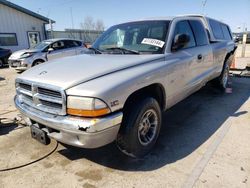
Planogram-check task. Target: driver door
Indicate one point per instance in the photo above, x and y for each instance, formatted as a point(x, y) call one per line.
point(181, 63)
point(58, 50)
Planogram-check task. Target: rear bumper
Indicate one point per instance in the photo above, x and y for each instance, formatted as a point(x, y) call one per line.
point(79, 132)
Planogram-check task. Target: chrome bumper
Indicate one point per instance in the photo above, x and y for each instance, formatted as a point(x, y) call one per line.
point(79, 132)
point(23, 64)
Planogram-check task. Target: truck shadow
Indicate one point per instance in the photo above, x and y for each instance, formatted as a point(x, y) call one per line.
point(186, 126)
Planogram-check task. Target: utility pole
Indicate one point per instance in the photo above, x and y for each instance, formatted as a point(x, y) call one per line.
point(72, 23)
point(204, 2)
point(51, 28)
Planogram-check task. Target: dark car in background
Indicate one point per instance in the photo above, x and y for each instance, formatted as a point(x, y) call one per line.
point(4, 55)
point(238, 37)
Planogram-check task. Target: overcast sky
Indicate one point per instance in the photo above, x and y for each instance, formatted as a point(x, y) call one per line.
point(234, 12)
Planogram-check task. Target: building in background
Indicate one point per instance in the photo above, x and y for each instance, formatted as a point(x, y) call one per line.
point(20, 28)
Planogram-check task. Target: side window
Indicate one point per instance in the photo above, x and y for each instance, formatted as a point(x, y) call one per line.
point(70, 43)
point(58, 45)
point(226, 32)
point(199, 32)
point(78, 43)
point(216, 28)
point(183, 27)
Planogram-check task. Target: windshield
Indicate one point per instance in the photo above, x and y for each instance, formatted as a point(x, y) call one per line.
point(41, 45)
point(143, 37)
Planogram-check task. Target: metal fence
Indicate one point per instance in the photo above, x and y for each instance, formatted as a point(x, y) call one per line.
point(88, 36)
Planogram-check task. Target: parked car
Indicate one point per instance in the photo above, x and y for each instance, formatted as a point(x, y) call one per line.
point(46, 50)
point(4, 55)
point(238, 37)
point(139, 69)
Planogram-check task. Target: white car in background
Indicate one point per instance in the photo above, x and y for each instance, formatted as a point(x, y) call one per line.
point(44, 51)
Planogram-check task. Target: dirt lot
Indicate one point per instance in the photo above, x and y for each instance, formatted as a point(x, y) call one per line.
point(204, 142)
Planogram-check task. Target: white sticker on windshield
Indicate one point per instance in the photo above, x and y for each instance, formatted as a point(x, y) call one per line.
point(153, 42)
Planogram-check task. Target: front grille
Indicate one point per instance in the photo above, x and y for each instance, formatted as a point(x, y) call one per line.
point(14, 63)
point(25, 86)
point(49, 92)
point(42, 98)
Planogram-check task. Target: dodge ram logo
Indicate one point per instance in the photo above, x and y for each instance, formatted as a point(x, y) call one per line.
point(43, 72)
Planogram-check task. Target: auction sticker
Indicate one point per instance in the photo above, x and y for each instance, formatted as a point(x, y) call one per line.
point(153, 42)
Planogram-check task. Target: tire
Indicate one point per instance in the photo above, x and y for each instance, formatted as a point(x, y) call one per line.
point(37, 63)
point(1, 63)
point(222, 81)
point(140, 127)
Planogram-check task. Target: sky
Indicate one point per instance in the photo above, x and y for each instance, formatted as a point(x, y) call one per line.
point(236, 13)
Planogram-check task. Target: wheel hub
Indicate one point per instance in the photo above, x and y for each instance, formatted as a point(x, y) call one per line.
point(148, 126)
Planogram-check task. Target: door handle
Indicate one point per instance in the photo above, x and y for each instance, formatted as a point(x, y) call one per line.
point(199, 57)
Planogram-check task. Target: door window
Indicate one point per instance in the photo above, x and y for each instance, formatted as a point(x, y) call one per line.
point(71, 43)
point(59, 45)
point(183, 27)
point(199, 32)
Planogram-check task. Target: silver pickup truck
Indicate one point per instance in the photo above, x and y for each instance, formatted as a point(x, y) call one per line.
point(131, 74)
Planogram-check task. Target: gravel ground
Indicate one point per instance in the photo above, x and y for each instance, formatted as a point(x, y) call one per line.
point(204, 142)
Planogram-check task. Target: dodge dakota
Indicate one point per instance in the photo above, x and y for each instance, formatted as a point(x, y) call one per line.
point(130, 75)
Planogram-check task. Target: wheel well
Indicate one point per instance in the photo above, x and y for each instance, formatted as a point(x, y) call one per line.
point(155, 90)
point(38, 60)
point(230, 55)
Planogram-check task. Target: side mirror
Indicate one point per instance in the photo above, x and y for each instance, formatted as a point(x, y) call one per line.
point(50, 50)
point(180, 41)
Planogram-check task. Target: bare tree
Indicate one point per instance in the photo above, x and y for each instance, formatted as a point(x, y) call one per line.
point(99, 25)
point(89, 25)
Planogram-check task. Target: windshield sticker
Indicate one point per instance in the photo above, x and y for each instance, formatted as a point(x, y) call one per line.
point(153, 42)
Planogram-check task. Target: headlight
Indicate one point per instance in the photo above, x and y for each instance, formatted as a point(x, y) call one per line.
point(26, 55)
point(86, 107)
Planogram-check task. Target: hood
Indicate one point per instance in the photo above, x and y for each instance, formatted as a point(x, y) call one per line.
point(18, 54)
point(71, 71)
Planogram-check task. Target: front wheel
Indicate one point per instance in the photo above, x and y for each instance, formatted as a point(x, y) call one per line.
point(1, 63)
point(37, 63)
point(140, 128)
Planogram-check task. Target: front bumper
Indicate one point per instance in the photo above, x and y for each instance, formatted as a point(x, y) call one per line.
point(79, 132)
point(20, 64)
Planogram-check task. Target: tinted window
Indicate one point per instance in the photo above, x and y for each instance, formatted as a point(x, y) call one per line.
point(199, 32)
point(58, 45)
point(216, 28)
point(226, 32)
point(183, 27)
point(71, 43)
point(8, 39)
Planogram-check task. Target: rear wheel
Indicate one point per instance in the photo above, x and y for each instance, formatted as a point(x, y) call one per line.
point(222, 81)
point(140, 128)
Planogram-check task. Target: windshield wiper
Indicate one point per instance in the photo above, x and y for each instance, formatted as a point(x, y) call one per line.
point(95, 50)
point(124, 50)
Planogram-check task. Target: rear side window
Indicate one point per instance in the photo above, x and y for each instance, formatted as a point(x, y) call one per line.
point(226, 32)
point(71, 43)
point(216, 28)
point(199, 32)
point(183, 27)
